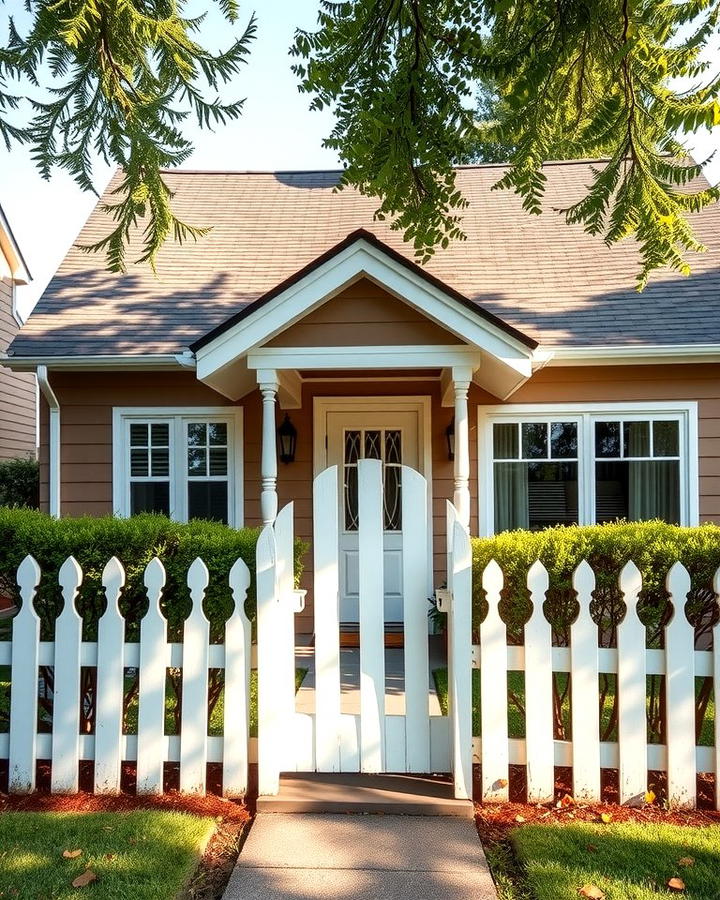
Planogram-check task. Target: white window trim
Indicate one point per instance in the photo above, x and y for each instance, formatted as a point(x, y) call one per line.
point(586, 413)
point(178, 416)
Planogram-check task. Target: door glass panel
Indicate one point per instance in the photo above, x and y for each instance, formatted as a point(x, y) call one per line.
point(373, 448)
point(382, 444)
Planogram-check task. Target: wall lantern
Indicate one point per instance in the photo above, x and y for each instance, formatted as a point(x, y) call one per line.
point(287, 433)
point(450, 438)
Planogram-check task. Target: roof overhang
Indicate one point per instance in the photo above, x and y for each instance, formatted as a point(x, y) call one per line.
point(11, 251)
point(500, 356)
point(146, 362)
point(633, 355)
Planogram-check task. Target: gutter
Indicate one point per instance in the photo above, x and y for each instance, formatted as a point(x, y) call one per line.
point(54, 440)
point(646, 354)
point(158, 361)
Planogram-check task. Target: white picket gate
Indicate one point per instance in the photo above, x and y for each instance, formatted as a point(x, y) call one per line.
point(110, 655)
point(371, 742)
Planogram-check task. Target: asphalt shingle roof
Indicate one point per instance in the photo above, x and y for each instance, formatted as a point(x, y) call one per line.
point(551, 281)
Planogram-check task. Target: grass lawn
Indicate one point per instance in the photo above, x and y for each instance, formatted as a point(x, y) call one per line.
point(516, 719)
point(139, 855)
point(631, 861)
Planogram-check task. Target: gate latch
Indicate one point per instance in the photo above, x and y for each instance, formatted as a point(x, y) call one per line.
point(298, 601)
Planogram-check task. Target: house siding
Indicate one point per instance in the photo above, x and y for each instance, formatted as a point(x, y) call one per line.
point(86, 431)
point(17, 390)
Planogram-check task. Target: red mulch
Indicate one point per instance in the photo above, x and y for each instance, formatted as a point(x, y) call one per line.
point(231, 817)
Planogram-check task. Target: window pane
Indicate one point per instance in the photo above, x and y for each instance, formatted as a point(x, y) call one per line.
point(352, 446)
point(196, 434)
point(666, 439)
point(139, 463)
point(217, 433)
point(138, 435)
point(535, 495)
point(563, 440)
point(160, 463)
point(505, 441)
point(393, 447)
point(534, 440)
point(208, 500)
point(373, 449)
point(197, 461)
point(638, 491)
point(218, 461)
point(149, 496)
point(160, 434)
point(607, 439)
point(636, 439)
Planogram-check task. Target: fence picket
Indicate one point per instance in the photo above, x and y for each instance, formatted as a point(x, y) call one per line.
point(461, 672)
point(680, 693)
point(716, 689)
point(64, 774)
point(110, 683)
point(493, 691)
point(372, 616)
point(584, 685)
point(538, 693)
point(24, 683)
point(236, 712)
point(285, 634)
point(194, 719)
point(631, 692)
point(268, 683)
point(151, 701)
point(327, 621)
point(414, 585)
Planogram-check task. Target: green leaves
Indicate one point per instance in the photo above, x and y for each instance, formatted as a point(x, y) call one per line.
point(123, 77)
point(574, 80)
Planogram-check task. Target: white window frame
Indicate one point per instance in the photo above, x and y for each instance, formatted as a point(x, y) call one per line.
point(586, 415)
point(178, 417)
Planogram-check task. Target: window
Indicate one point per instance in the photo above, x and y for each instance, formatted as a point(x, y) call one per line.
point(183, 463)
point(586, 466)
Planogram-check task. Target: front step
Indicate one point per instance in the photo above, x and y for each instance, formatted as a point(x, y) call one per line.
point(397, 795)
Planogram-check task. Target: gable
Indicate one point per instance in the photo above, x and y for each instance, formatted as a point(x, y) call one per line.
point(364, 314)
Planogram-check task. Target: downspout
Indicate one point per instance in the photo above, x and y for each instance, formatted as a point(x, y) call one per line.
point(54, 440)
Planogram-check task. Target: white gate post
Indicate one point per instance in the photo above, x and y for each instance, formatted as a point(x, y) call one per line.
point(285, 631)
point(236, 714)
point(493, 691)
point(269, 692)
point(460, 680)
point(680, 694)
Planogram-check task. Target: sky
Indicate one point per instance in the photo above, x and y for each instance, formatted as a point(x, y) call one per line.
point(276, 131)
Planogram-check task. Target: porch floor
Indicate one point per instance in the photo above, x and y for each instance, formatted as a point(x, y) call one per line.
point(350, 678)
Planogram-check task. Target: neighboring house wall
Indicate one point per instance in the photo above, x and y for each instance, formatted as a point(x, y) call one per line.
point(86, 415)
point(17, 391)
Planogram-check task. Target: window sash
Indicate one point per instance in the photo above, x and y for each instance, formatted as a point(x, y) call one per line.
point(586, 416)
point(178, 478)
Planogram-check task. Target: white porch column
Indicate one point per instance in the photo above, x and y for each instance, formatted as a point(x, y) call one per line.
point(461, 377)
point(268, 383)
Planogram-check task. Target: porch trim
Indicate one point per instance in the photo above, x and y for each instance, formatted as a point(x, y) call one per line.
point(371, 357)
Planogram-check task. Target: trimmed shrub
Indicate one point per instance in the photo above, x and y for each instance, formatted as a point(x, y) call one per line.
point(652, 546)
point(20, 483)
point(135, 540)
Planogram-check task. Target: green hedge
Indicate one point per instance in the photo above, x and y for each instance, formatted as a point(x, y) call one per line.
point(92, 541)
point(653, 547)
point(20, 483)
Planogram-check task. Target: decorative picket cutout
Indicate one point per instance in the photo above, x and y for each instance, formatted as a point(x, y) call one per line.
point(539, 693)
point(584, 684)
point(110, 683)
point(493, 691)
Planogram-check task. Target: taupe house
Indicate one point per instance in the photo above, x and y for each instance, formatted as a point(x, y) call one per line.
point(18, 401)
point(519, 370)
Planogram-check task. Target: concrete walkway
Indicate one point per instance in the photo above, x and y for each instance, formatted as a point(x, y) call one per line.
point(355, 857)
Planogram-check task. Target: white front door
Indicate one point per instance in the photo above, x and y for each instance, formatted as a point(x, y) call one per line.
point(394, 436)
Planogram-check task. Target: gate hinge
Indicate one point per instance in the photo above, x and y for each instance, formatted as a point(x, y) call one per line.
point(443, 599)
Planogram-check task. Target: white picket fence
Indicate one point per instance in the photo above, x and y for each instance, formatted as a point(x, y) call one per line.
point(584, 660)
point(150, 748)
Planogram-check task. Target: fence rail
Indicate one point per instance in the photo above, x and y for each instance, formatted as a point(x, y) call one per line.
point(110, 656)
